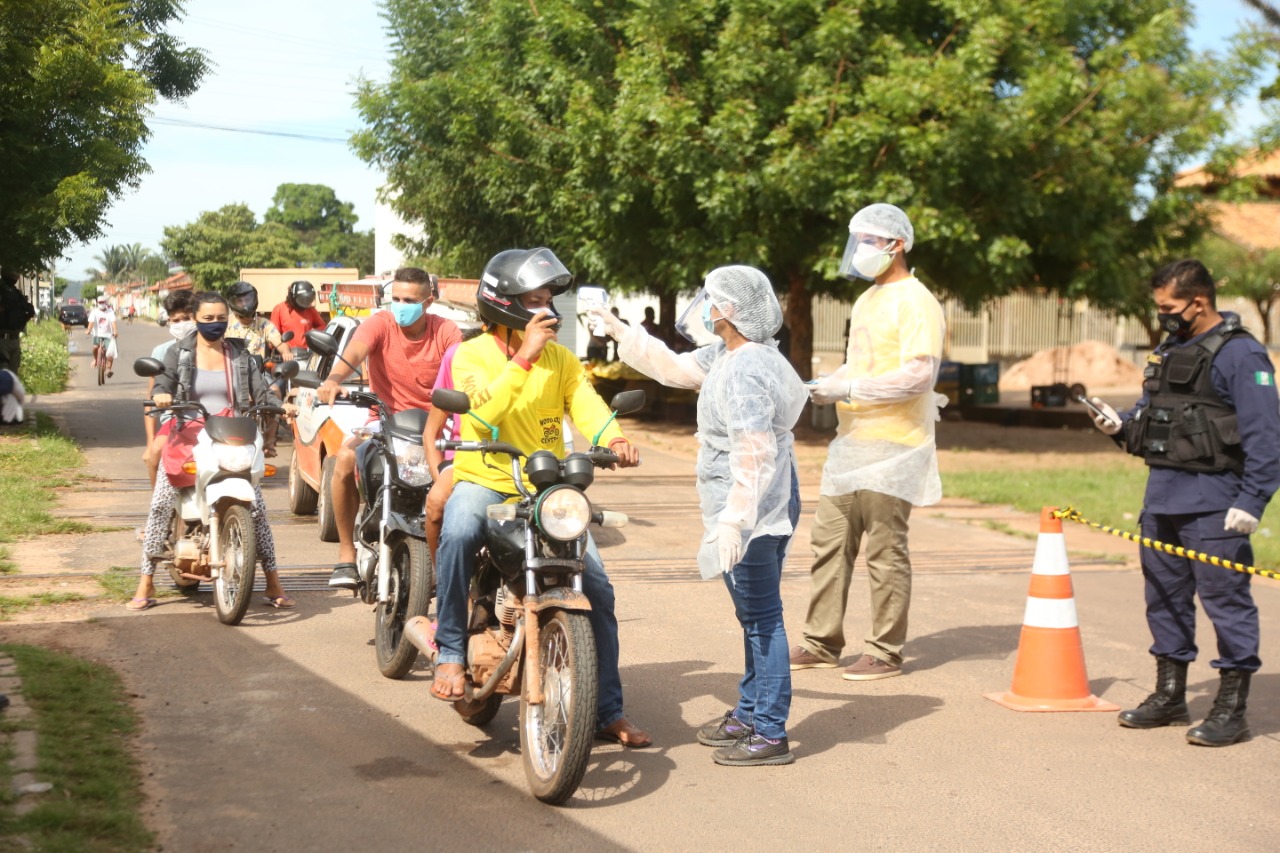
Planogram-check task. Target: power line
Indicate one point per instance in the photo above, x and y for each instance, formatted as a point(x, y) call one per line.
point(195, 125)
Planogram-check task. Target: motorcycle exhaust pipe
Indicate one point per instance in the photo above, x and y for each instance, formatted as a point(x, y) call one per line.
point(421, 631)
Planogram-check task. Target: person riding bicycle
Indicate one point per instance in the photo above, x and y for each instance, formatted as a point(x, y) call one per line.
point(404, 346)
point(102, 326)
point(263, 340)
point(218, 372)
point(521, 380)
point(298, 312)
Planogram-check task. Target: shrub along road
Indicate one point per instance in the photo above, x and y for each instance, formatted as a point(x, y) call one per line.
point(280, 733)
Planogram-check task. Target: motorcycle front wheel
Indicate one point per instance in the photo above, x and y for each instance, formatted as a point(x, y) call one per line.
point(555, 736)
point(409, 595)
point(234, 585)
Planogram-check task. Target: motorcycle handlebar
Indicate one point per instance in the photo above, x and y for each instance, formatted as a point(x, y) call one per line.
point(443, 444)
point(602, 457)
point(173, 407)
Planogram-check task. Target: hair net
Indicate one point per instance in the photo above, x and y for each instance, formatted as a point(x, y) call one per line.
point(745, 298)
point(884, 220)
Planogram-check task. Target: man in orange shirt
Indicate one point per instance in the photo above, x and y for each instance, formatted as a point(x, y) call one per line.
point(403, 347)
point(298, 313)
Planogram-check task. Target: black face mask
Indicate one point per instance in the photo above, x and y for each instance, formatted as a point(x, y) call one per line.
point(1175, 323)
point(212, 331)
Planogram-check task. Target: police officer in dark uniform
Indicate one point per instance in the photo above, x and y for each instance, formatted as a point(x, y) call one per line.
point(1208, 426)
point(15, 312)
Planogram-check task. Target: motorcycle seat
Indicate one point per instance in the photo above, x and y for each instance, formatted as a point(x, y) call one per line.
point(232, 430)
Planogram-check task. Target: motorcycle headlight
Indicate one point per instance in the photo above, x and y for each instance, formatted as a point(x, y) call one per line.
point(411, 462)
point(235, 458)
point(563, 513)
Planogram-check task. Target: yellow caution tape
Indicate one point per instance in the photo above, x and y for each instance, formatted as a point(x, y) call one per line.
point(1071, 515)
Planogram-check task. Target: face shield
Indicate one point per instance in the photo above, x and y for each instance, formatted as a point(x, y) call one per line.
point(866, 256)
point(695, 323)
point(543, 269)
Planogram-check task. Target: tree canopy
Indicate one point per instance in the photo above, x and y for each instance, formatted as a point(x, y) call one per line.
point(307, 225)
point(78, 79)
point(1033, 143)
point(325, 225)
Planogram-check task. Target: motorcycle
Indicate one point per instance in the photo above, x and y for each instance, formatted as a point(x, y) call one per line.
point(528, 632)
point(392, 558)
point(211, 534)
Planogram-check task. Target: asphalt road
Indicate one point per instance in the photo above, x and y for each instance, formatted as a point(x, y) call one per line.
point(280, 734)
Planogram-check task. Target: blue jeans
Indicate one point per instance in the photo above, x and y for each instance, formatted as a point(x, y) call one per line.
point(461, 535)
point(754, 584)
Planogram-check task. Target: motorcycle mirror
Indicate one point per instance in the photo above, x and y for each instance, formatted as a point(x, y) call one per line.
point(307, 379)
point(627, 402)
point(148, 367)
point(286, 337)
point(285, 370)
point(623, 403)
point(322, 342)
point(456, 402)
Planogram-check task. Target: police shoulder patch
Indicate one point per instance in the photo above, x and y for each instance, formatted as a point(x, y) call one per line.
point(1263, 377)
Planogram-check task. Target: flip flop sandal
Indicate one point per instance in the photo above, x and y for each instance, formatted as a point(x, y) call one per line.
point(140, 604)
point(454, 680)
point(283, 602)
point(616, 737)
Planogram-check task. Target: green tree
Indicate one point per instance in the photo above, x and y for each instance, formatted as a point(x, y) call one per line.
point(1245, 271)
point(112, 265)
point(1033, 143)
point(78, 80)
point(325, 225)
point(215, 247)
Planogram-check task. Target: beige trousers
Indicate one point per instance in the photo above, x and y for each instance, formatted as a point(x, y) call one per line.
point(838, 528)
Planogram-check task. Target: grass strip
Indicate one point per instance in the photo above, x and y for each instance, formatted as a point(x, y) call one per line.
point(11, 605)
point(84, 725)
point(1108, 494)
point(34, 462)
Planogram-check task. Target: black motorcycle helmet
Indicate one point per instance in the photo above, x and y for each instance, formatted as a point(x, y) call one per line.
point(301, 295)
point(242, 298)
point(512, 273)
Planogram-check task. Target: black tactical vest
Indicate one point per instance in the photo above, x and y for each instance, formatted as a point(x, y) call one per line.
point(1185, 424)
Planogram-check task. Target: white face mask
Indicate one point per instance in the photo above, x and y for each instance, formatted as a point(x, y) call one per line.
point(870, 261)
point(181, 329)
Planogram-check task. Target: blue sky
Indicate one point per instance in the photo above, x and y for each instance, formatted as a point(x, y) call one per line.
point(290, 66)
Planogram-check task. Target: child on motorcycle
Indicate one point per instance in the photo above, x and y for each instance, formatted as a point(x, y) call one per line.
point(180, 306)
point(218, 373)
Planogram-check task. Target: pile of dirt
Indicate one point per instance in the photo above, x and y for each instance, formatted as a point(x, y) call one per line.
point(1092, 363)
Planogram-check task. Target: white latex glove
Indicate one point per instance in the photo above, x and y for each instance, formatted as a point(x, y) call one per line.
point(728, 538)
point(1240, 521)
point(604, 319)
point(830, 389)
point(1109, 424)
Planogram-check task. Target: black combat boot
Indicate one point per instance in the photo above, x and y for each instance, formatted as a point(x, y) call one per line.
point(1225, 724)
point(1168, 704)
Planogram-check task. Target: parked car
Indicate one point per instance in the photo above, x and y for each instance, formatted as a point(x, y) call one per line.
point(318, 434)
point(73, 315)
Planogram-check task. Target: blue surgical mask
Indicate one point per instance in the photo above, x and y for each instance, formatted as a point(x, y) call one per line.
point(706, 317)
point(212, 331)
point(406, 313)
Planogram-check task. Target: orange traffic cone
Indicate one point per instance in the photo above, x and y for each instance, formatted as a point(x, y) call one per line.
point(1049, 674)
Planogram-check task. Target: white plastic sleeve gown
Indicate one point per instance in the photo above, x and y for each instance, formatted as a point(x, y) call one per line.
point(749, 403)
point(885, 438)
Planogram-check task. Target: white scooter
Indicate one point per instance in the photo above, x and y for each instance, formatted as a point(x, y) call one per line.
point(211, 534)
